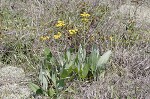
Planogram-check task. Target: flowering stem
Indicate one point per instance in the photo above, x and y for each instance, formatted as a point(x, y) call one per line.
point(84, 34)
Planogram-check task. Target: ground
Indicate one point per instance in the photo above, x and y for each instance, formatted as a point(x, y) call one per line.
point(27, 28)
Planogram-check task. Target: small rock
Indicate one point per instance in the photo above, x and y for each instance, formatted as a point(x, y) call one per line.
point(13, 83)
point(14, 91)
point(11, 74)
point(140, 13)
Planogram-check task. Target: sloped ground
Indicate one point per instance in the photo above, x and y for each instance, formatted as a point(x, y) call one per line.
point(128, 74)
point(131, 79)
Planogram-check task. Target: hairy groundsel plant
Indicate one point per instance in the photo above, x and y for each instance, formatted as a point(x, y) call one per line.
point(56, 72)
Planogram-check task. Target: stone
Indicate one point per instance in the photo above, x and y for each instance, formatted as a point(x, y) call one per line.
point(139, 13)
point(13, 83)
point(14, 91)
point(11, 74)
point(143, 14)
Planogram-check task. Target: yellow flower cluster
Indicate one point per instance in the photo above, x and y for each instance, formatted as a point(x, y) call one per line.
point(85, 16)
point(85, 19)
point(60, 24)
point(57, 36)
point(73, 31)
point(43, 38)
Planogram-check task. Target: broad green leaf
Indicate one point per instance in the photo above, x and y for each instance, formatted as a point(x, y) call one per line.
point(93, 68)
point(70, 70)
point(43, 80)
point(75, 69)
point(60, 83)
point(47, 72)
point(81, 54)
point(47, 54)
point(51, 92)
point(68, 55)
point(39, 91)
point(53, 61)
point(45, 83)
point(78, 67)
point(61, 61)
point(54, 79)
point(85, 70)
point(34, 87)
point(67, 66)
point(103, 59)
point(84, 54)
point(41, 76)
point(93, 59)
point(70, 63)
point(64, 73)
point(46, 51)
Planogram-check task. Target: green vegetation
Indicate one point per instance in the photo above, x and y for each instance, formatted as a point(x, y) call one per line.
point(69, 66)
point(70, 42)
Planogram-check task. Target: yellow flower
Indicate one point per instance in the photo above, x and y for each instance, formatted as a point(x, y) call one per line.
point(43, 38)
point(60, 24)
point(57, 36)
point(84, 14)
point(85, 19)
point(111, 38)
point(73, 31)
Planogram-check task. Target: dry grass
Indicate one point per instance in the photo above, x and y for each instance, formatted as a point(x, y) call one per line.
point(22, 22)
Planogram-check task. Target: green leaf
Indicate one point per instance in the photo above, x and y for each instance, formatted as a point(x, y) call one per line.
point(93, 61)
point(68, 55)
point(60, 83)
point(54, 79)
point(103, 59)
point(70, 63)
point(39, 91)
point(93, 68)
point(93, 58)
point(75, 69)
point(84, 54)
point(46, 51)
point(51, 92)
point(81, 54)
point(85, 71)
point(41, 75)
point(61, 61)
point(43, 79)
point(47, 72)
point(67, 66)
point(47, 54)
point(64, 73)
point(45, 83)
point(34, 87)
